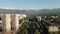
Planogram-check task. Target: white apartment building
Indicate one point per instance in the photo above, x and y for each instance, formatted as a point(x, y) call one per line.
point(39, 18)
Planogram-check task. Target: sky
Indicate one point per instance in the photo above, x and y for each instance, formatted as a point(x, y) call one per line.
point(29, 4)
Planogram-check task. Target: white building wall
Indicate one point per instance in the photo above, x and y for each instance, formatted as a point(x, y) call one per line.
point(6, 23)
point(15, 22)
point(39, 18)
point(53, 28)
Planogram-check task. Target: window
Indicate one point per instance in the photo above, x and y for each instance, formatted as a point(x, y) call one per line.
point(58, 28)
point(0, 28)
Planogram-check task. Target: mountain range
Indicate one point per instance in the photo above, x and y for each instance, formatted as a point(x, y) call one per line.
point(41, 11)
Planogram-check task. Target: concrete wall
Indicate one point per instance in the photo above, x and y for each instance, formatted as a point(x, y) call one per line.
point(6, 23)
point(15, 22)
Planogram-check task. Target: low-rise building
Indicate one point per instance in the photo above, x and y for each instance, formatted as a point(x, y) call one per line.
point(54, 16)
point(54, 28)
point(22, 16)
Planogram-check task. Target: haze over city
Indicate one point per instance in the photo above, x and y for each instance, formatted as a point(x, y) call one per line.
point(29, 4)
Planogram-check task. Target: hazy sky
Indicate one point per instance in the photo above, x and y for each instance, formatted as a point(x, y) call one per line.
point(30, 4)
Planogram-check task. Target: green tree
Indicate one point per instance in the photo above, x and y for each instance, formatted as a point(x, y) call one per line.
point(37, 32)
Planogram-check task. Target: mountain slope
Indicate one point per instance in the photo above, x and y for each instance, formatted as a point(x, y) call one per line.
point(43, 11)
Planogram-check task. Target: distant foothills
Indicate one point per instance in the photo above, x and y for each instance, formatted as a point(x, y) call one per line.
point(42, 11)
